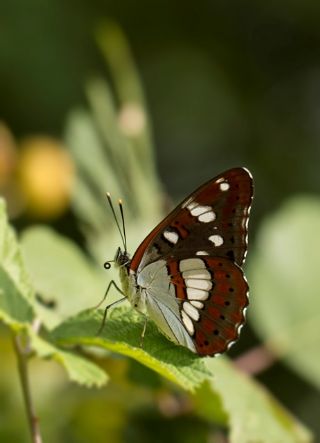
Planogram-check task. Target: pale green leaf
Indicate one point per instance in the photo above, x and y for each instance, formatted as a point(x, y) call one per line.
point(79, 369)
point(122, 334)
point(284, 280)
point(16, 292)
point(254, 415)
point(61, 273)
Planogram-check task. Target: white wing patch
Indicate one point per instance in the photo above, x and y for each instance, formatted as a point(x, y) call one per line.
point(202, 274)
point(196, 277)
point(197, 294)
point(205, 214)
point(216, 239)
point(171, 236)
point(195, 283)
point(202, 253)
point(224, 186)
point(191, 264)
point(191, 311)
point(197, 304)
point(187, 322)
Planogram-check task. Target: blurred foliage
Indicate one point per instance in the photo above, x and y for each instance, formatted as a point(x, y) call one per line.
point(238, 397)
point(227, 84)
point(284, 277)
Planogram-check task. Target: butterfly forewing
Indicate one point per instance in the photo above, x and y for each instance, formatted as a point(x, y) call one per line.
point(212, 220)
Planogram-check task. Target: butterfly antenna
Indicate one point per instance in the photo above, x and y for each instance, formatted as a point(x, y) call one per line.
point(116, 219)
point(123, 225)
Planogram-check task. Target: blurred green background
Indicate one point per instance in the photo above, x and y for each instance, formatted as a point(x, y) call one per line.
point(226, 84)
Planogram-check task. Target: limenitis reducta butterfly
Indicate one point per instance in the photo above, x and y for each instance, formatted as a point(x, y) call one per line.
point(186, 274)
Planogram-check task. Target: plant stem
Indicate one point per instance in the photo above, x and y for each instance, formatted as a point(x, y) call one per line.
point(22, 356)
point(255, 361)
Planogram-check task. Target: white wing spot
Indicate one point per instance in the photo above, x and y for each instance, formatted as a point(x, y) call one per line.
point(207, 217)
point(204, 213)
point(217, 240)
point(203, 274)
point(191, 263)
point(197, 304)
point(187, 322)
point(197, 294)
point(171, 236)
point(224, 186)
point(191, 204)
point(198, 209)
point(191, 311)
point(205, 285)
point(202, 253)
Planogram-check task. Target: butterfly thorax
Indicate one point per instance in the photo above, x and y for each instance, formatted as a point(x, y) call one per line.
point(128, 279)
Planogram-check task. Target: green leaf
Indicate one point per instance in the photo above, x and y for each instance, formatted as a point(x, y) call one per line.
point(16, 292)
point(61, 273)
point(285, 279)
point(79, 369)
point(122, 334)
point(254, 415)
point(222, 394)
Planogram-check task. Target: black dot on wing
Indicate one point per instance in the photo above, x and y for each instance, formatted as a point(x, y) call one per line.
point(206, 343)
point(231, 290)
point(230, 254)
point(232, 240)
point(227, 303)
point(216, 332)
point(222, 317)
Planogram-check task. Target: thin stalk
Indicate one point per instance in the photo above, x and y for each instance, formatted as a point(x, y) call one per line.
point(255, 361)
point(22, 362)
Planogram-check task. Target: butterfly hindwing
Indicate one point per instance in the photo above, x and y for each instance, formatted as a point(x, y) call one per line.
point(212, 294)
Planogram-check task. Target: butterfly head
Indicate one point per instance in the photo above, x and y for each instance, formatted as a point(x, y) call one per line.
point(122, 258)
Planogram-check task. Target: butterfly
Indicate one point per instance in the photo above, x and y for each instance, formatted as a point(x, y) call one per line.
point(186, 274)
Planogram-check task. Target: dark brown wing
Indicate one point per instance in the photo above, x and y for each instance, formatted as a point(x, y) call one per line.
point(212, 221)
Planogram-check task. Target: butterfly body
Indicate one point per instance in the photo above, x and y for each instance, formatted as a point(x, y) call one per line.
point(186, 274)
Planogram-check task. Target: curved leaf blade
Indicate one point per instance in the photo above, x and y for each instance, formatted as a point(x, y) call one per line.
point(122, 334)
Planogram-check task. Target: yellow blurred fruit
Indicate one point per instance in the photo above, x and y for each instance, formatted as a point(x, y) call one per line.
point(7, 155)
point(46, 176)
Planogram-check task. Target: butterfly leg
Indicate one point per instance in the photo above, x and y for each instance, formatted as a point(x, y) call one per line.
point(143, 331)
point(112, 283)
point(106, 312)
